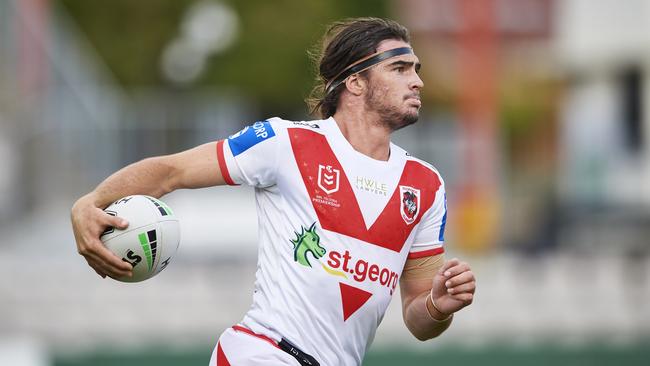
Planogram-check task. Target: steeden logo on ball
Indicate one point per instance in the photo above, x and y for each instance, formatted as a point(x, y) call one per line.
point(150, 240)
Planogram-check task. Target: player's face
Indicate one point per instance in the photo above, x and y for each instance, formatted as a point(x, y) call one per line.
point(394, 88)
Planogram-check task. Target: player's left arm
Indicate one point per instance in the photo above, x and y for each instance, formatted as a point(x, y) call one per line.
point(432, 290)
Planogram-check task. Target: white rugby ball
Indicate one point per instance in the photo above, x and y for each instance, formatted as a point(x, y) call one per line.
point(150, 241)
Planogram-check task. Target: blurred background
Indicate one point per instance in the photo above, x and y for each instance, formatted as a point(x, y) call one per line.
point(536, 112)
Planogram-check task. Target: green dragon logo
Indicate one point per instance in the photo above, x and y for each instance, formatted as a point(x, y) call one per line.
point(307, 241)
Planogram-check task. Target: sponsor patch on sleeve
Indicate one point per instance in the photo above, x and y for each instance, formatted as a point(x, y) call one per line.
point(250, 136)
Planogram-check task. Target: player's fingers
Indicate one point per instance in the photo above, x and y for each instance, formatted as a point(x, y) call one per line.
point(100, 272)
point(468, 287)
point(109, 257)
point(112, 271)
point(92, 248)
point(96, 268)
point(97, 264)
point(456, 269)
point(111, 263)
point(115, 266)
point(463, 277)
point(464, 297)
point(449, 264)
point(115, 221)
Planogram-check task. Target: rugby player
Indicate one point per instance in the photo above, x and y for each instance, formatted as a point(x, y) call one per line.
point(344, 213)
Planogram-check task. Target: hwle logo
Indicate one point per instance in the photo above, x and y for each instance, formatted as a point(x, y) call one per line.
point(328, 178)
point(371, 185)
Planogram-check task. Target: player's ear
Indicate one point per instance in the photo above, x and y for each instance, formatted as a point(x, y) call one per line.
point(356, 84)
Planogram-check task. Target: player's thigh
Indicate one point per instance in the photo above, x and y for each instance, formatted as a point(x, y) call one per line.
point(237, 348)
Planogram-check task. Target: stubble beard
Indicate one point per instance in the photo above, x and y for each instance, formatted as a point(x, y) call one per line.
point(389, 116)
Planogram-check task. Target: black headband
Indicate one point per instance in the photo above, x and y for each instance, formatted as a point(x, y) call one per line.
point(364, 64)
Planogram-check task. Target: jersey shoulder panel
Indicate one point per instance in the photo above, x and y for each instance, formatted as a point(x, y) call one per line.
point(252, 155)
point(266, 129)
point(429, 236)
point(425, 166)
point(315, 126)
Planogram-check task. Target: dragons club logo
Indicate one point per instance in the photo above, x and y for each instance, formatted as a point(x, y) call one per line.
point(307, 241)
point(328, 178)
point(410, 207)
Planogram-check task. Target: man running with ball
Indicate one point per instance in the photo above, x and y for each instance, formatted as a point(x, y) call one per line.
point(344, 213)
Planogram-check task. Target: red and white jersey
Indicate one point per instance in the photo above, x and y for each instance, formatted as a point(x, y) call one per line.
point(336, 228)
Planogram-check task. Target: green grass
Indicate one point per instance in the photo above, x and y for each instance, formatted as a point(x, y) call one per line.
point(594, 355)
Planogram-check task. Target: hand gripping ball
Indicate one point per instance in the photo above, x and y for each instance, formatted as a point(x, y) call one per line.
point(151, 239)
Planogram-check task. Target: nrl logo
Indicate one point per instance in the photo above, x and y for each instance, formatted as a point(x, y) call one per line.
point(410, 207)
point(328, 178)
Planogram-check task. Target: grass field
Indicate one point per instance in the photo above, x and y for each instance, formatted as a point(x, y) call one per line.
point(594, 355)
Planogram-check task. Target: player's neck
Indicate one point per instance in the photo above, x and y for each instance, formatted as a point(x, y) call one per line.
point(364, 132)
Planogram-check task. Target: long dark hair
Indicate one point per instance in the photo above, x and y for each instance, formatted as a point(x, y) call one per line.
point(345, 42)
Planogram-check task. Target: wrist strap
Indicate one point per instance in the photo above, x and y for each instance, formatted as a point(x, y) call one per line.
point(438, 310)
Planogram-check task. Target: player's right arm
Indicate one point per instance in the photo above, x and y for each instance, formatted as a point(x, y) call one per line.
point(156, 176)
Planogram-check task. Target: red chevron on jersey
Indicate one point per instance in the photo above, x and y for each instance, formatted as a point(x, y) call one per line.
point(338, 209)
point(352, 299)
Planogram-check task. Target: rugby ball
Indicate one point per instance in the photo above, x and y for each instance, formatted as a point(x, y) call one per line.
point(151, 239)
